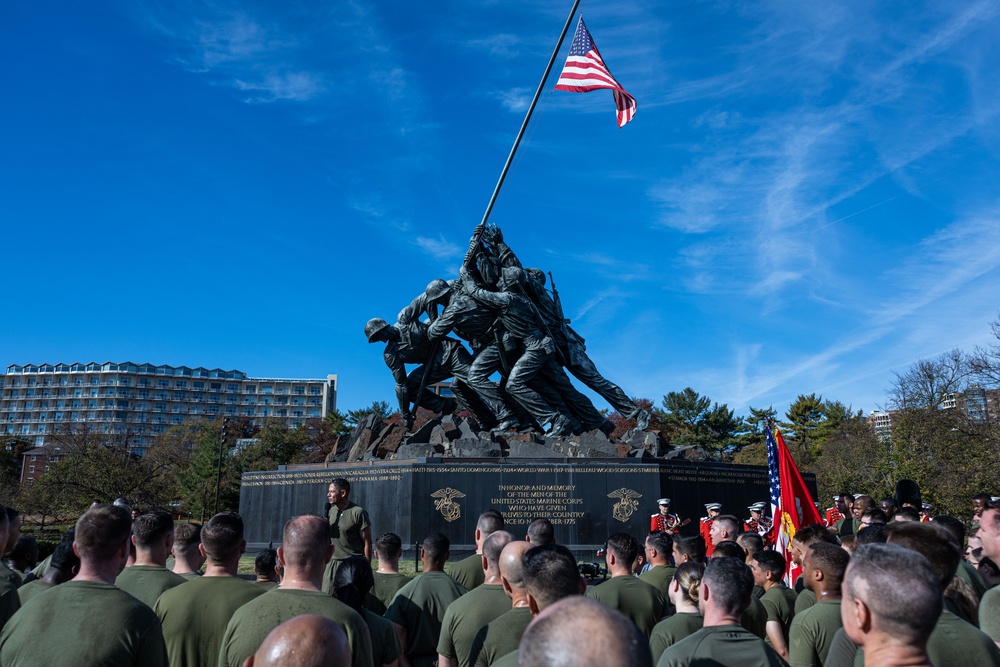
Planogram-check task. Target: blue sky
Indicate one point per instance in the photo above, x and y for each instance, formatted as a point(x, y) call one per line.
point(805, 202)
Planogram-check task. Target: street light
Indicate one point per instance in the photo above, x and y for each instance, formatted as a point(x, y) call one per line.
point(222, 446)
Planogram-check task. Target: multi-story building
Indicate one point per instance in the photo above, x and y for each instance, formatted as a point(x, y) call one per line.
point(144, 399)
point(881, 422)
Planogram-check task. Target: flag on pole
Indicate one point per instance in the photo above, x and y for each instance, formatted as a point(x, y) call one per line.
point(585, 71)
point(791, 503)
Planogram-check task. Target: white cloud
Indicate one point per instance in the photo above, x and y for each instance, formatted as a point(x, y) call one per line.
point(439, 248)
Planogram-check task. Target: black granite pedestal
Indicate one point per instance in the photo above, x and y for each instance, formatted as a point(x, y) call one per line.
point(586, 500)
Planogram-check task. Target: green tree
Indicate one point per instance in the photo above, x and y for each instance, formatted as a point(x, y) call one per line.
point(274, 444)
point(928, 382)
point(698, 421)
point(804, 418)
point(380, 409)
point(197, 480)
point(11, 449)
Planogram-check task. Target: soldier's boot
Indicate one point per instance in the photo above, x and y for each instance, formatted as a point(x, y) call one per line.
point(607, 427)
point(507, 425)
point(560, 426)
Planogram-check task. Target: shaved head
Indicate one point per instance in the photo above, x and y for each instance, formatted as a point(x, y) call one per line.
point(511, 564)
point(305, 541)
point(303, 641)
point(579, 631)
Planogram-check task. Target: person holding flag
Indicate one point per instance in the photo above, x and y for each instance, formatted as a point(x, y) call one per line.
point(791, 503)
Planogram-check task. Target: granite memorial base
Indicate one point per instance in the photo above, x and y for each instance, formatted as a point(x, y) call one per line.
point(585, 499)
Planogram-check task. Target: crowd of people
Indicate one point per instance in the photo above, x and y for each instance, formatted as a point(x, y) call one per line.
point(873, 588)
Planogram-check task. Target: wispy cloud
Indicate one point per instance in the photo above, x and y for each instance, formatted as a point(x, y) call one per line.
point(503, 45)
point(237, 48)
point(439, 248)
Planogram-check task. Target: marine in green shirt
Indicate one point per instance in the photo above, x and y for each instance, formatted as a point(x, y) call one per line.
point(658, 548)
point(684, 593)
point(639, 601)
point(64, 564)
point(88, 621)
point(253, 621)
point(351, 585)
point(350, 528)
point(989, 614)
point(466, 616)
point(768, 568)
point(500, 636)
point(303, 555)
point(725, 592)
point(388, 580)
point(148, 577)
point(195, 614)
point(418, 608)
point(469, 571)
point(812, 631)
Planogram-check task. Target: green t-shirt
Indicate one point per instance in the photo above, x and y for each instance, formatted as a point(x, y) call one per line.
point(779, 601)
point(147, 582)
point(195, 614)
point(385, 643)
point(468, 571)
point(466, 616)
point(659, 576)
point(500, 636)
point(641, 602)
point(10, 602)
point(989, 613)
point(668, 632)
point(419, 607)
point(509, 660)
point(31, 589)
point(191, 575)
point(253, 621)
point(386, 586)
point(842, 651)
point(266, 585)
point(83, 623)
point(812, 633)
point(971, 576)
point(754, 618)
point(721, 645)
point(954, 643)
point(346, 527)
point(804, 600)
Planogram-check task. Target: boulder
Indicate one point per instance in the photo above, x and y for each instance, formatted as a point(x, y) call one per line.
point(416, 451)
point(389, 442)
point(475, 448)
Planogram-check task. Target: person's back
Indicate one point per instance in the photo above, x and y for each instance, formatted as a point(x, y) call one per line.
point(957, 643)
point(388, 580)
point(639, 601)
point(148, 577)
point(467, 615)
point(194, 615)
point(304, 553)
point(88, 621)
point(419, 606)
point(725, 592)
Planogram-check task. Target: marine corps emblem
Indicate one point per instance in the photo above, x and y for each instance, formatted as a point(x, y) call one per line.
point(626, 505)
point(446, 504)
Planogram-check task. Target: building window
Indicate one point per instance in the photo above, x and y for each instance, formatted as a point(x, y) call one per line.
point(250, 389)
point(299, 390)
point(31, 469)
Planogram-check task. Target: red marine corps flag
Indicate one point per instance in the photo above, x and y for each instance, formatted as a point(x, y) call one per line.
point(585, 71)
point(791, 504)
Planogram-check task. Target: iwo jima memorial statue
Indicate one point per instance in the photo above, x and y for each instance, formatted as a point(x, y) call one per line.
point(516, 434)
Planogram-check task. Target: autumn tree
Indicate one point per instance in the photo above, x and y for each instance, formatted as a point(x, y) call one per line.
point(928, 382)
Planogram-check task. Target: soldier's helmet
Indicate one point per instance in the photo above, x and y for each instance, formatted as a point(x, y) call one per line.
point(537, 274)
point(511, 276)
point(436, 289)
point(374, 325)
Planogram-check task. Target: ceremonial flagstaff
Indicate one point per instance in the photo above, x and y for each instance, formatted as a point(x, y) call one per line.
point(585, 70)
point(791, 503)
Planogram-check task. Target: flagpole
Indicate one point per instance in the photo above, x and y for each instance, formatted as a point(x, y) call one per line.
point(531, 108)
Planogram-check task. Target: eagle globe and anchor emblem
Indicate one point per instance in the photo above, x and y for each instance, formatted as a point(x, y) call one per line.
point(626, 505)
point(446, 504)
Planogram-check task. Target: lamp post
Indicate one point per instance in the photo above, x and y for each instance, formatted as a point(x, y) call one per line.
point(222, 447)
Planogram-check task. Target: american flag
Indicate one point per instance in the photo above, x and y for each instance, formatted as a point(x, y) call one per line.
point(791, 503)
point(585, 71)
